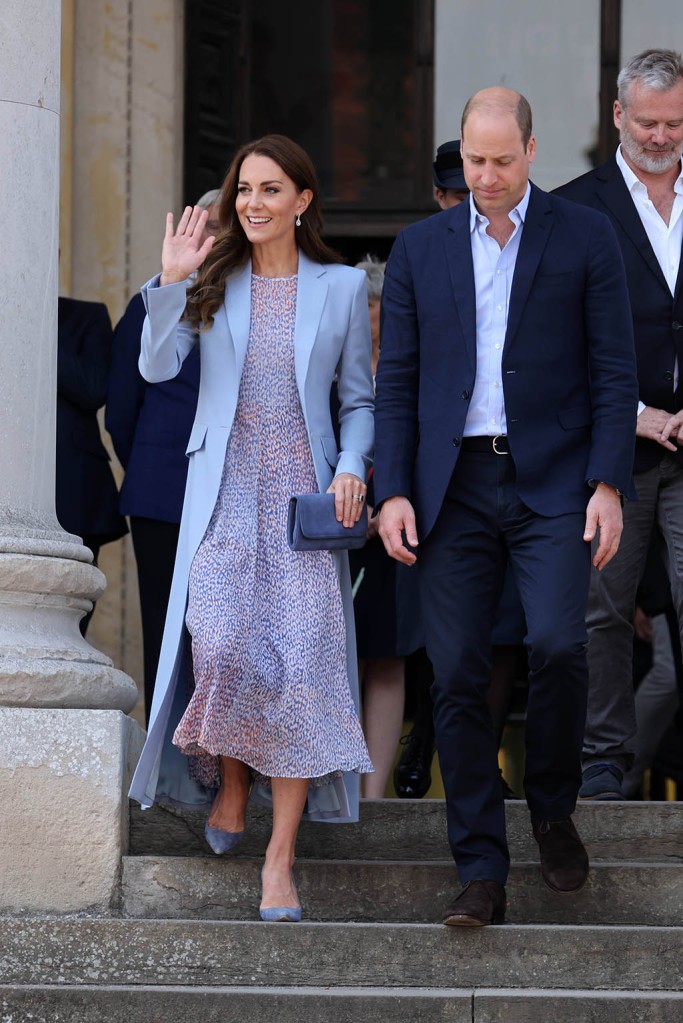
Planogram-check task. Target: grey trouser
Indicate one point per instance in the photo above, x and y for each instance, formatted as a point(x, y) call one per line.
point(656, 704)
point(611, 722)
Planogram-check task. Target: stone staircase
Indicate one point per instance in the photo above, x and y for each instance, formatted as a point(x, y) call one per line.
point(187, 943)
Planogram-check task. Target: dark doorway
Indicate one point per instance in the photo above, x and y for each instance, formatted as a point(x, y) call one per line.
point(351, 81)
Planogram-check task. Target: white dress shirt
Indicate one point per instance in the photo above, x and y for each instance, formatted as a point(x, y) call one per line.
point(493, 272)
point(665, 239)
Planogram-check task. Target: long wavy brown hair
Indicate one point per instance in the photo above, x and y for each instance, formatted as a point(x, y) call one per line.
point(232, 249)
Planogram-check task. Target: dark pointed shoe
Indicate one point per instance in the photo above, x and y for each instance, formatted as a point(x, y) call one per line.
point(564, 860)
point(602, 782)
point(479, 903)
point(413, 772)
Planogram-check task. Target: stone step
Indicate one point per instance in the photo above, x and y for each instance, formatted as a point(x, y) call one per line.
point(415, 829)
point(147, 1004)
point(529, 1006)
point(207, 953)
point(177, 887)
point(150, 1004)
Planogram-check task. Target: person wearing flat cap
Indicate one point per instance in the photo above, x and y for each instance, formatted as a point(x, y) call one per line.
point(450, 187)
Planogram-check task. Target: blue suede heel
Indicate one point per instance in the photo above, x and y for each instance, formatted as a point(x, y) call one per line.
point(222, 841)
point(285, 914)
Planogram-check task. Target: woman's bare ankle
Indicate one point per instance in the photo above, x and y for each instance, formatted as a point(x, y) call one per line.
point(229, 807)
point(277, 883)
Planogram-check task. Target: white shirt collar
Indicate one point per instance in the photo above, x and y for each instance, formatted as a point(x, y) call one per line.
point(517, 214)
point(633, 182)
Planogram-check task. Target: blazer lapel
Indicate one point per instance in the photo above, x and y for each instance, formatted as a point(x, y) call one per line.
point(237, 308)
point(679, 279)
point(310, 302)
point(611, 189)
point(458, 246)
point(535, 234)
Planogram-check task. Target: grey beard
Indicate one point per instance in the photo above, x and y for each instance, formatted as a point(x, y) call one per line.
point(650, 162)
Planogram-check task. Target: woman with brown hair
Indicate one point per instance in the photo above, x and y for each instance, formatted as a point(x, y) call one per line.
point(270, 700)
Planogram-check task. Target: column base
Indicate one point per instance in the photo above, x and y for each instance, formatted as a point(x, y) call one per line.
point(44, 660)
point(64, 778)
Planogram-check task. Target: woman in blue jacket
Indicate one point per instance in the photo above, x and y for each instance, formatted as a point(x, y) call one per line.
point(272, 694)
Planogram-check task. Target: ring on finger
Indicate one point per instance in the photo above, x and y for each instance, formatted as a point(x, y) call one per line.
point(358, 497)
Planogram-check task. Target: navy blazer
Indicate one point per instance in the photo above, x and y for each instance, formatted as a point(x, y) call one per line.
point(86, 496)
point(657, 315)
point(569, 377)
point(149, 424)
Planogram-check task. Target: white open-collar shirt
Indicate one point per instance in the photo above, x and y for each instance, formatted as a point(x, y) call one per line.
point(493, 272)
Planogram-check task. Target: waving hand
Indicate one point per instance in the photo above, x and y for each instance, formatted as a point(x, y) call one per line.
point(183, 250)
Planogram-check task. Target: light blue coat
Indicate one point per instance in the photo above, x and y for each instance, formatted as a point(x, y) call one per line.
point(332, 338)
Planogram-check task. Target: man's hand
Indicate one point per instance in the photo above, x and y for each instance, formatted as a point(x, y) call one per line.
point(656, 424)
point(672, 430)
point(642, 625)
point(395, 516)
point(604, 513)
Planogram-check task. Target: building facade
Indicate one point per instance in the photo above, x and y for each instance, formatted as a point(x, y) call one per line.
point(157, 94)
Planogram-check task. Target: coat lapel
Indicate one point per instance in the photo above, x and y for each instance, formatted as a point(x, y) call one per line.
point(310, 302)
point(678, 289)
point(237, 309)
point(535, 234)
point(611, 189)
point(679, 280)
point(458, 246)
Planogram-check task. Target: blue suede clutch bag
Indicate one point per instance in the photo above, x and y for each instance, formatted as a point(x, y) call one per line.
point(312, 525)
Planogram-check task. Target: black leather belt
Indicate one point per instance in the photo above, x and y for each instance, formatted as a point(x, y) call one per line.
point(487, 445)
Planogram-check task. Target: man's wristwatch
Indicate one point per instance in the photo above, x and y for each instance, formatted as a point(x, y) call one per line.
point(594, 484)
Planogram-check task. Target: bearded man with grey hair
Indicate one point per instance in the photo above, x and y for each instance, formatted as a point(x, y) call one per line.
point(641, 190)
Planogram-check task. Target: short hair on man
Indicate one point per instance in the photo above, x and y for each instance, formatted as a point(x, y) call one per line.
point(521, 110)
point(374, 271)
point(655, 69)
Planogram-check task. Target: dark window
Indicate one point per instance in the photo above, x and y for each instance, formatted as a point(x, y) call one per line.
point(351, 80)
point(215, 81)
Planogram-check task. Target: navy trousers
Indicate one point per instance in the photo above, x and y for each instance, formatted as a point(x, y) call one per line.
point(462, 563)
point(155, 543)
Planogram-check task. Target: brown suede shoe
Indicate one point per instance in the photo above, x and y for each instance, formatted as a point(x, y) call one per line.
point(479, 903)
point(564, 860)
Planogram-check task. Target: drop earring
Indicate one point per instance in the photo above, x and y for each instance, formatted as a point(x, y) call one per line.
point(298, 220)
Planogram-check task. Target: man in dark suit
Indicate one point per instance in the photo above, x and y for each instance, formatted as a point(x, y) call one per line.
point(86, 497)
point(641, 190)
point(506, 401)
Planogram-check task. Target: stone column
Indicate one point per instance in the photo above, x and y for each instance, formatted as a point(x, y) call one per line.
point(123, 83)
point(61, 724)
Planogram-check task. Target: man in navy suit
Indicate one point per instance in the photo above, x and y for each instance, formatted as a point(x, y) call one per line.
point(86, 497)
point(640, 189)
point(506, 404)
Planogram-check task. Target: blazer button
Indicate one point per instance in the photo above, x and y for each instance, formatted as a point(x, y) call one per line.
point(668, 375)
point(465, 395)
point(456, 442)
point(676, 325)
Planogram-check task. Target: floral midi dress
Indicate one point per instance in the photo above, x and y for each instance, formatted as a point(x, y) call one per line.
point(267, 624)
